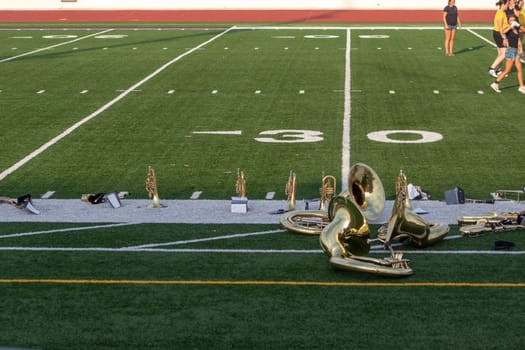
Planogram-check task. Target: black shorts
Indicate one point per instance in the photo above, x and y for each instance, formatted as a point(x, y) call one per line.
point(497, 39)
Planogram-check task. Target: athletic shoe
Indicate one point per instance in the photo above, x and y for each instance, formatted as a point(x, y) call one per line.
point(522, 89)
point(493, 73)
point(495, 87)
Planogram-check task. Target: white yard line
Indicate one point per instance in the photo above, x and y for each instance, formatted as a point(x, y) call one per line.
point(78, 124)
point(53, 46)
point(481, 37)
point(345, 161)
point(237, 235)
point(69, 229)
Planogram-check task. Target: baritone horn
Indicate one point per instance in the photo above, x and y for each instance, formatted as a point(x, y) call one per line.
point(346, 238)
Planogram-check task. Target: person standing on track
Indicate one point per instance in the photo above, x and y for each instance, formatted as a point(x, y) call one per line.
point(500, 24)
point(452, 23)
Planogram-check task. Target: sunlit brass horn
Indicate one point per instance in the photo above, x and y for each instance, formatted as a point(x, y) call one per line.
point(345, 238)
point(327, 191)
point(476, 225)
point(405, 225)
point(290, 189)
point(367, 190)
point(151, 187)
point(240, 184)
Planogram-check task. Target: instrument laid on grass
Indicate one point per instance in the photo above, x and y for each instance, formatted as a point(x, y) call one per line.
point(308, 222)
point(477, 225)
point(346, 238)
point(407, 226)
point(290, 190)
point(151, 187)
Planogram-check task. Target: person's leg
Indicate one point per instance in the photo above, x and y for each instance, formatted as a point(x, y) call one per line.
point(451, 42)
point(447, 41)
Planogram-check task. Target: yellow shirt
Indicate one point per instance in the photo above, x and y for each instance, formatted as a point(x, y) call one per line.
point(500, 15)
point(521, 17)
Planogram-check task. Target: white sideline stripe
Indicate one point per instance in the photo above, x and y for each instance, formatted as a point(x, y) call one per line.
point(248, 251)
point(75, 126)
point(237, 235)
point(53, 46)
point(481, 37)
point(345, 165)
point(69, 229)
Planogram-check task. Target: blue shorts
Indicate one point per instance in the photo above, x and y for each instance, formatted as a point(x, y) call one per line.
point(511, 53)
point(452, 27)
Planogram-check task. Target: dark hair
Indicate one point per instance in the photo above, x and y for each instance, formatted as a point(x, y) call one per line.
point(502, 2)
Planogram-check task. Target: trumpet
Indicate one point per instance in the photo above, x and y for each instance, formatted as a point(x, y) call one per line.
point(346, 238)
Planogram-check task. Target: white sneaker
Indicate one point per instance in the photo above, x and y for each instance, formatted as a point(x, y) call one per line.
point(522, 89)
point(495, 87)
point(493, 73)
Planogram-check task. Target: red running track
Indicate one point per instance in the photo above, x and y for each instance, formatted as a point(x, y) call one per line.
point(272, 16)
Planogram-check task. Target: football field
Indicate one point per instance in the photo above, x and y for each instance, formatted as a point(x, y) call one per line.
point(87, 110)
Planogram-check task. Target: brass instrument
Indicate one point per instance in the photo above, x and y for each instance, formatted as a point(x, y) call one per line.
point(290, 190)
point(311, 222)
point(240, 184)
point(328, 188)
point(22, 202)
point(346, 238)
point(151, 187)
point(405, 225)
point(476, 225)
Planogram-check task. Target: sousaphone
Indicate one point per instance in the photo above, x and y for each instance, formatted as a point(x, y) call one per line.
point(346, 238)
point(407, 226)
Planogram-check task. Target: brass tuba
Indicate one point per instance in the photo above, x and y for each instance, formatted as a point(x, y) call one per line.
point(346, 238)
point(405, 225)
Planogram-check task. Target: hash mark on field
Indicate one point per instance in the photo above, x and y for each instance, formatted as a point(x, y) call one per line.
point(48, 194)
point(196, 195)
point(84, 91)
point(171, 92)
point(270, 195)
point(40, 92)
point(214, 92)
point(233, 132)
